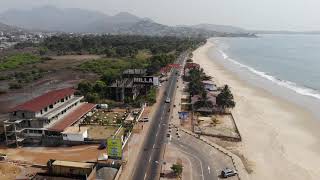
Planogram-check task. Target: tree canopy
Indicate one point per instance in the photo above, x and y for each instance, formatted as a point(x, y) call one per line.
point(225, 98)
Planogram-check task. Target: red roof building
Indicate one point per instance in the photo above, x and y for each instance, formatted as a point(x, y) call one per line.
point(72, 117)
point(40, 102)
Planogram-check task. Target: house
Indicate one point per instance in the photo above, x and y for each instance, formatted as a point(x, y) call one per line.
point(48, 114)
point(205, 109)
point(209, 85)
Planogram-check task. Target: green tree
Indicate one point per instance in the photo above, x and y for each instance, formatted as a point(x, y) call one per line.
point(84, 87)
point(177, 169)
point(225, 98)
point(92, 97)
point(100, 88)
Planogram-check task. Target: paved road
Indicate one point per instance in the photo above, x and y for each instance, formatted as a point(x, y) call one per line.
point(202, 164)
point(148, 167)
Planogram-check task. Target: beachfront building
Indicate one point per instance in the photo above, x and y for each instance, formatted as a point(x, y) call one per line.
point(209, 85)
point(45, 115)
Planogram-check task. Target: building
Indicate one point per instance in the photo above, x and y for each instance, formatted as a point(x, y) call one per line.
point(71, 169)
point(45, 115)
point(209, 85)
point(132, 83)
point(75, 133)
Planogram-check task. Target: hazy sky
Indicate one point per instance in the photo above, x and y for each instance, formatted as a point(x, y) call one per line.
point(251, 14)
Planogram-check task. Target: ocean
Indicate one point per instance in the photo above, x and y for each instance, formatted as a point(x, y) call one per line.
point(286, 65)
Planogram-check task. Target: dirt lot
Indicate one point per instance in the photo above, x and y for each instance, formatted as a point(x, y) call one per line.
point(60, 73)
point(101, 132)
point(9, 171)
point(41, 155)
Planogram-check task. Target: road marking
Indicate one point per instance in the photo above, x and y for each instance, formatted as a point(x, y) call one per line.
point(209, 169)
point(153, 146)
point(145, 175)
point(150, 159)
point(202, 175)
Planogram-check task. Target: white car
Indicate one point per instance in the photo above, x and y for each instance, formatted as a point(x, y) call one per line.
point(168, 100)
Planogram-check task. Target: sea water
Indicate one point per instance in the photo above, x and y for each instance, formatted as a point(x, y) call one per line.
point(286, 65)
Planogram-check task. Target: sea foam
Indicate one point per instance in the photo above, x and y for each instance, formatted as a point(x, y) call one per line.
point(287, 84)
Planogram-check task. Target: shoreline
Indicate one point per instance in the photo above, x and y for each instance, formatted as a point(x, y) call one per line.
point(279, 138)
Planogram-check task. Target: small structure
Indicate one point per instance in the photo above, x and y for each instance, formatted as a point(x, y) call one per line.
point(75, 133)
point(70, 168)
point(209, 85)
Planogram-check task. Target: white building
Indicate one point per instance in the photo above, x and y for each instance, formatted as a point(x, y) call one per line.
point(75, 133)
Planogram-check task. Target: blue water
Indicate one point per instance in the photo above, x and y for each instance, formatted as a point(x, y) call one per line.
point(289, 61)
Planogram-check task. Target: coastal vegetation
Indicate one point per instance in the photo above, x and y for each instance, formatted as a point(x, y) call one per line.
point(225, 98)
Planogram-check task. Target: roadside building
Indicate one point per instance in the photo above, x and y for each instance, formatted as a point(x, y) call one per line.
point(45, 115)
point(210, 85)
point(134, 82)
point(205, 109)
point(63, 169)
point(75, 133)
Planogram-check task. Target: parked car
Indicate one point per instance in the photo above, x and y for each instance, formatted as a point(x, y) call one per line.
point(145, 119)
point(228, 173)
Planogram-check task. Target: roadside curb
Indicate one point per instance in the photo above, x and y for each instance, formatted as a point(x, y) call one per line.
point(237, 163)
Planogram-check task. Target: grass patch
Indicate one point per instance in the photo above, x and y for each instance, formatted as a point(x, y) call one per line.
point(17, 60)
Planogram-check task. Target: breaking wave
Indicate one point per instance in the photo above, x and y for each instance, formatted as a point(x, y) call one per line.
point(288, 84)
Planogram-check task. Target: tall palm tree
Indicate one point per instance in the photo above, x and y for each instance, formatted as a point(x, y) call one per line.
point(225, 98)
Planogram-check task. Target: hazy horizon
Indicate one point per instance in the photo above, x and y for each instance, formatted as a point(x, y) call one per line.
point(294, 15)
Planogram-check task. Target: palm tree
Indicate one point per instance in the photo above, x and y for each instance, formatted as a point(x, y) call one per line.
point(225, 98)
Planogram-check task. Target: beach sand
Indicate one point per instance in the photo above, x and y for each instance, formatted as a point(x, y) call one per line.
point(280, 139)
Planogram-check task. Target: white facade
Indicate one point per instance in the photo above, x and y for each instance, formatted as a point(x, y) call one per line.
point(75, 133)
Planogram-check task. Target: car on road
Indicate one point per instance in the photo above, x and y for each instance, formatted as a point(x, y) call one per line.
point(168, 135)
point(228, 173)
point(168, 100)
point(145, 119)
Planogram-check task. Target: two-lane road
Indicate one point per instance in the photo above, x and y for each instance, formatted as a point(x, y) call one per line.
point(147, 166)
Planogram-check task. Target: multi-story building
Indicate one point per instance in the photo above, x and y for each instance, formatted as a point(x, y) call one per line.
point(48, 114)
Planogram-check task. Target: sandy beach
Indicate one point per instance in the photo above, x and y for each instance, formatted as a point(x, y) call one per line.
point(280, 139)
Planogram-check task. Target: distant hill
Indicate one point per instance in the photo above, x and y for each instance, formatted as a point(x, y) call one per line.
point(219, 28)
point(50, 18)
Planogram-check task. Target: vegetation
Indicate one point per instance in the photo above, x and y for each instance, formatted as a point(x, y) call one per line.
point(117, 45)
point(177, 169)
point(17, 60)
point(151, 97)
point(196, 76)
point(225, 98)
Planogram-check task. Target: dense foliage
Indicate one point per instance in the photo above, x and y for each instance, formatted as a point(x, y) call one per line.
point(117, 45)
point(17, 60)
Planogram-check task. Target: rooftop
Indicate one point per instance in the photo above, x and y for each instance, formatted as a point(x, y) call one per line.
point(72, 117)
point(40, 102)
point(73, 164)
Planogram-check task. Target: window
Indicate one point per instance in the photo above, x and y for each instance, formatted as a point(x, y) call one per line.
point(15, 113)
point(62, 100)
point(23, 115)
point(51, 106)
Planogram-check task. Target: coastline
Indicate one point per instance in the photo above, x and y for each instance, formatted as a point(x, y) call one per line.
point(280, 138)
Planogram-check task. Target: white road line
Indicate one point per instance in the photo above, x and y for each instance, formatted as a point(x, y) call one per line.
point(196, 158)
point(209, 169)
point(153, 146)
point(150, 159)
point(145, 175)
